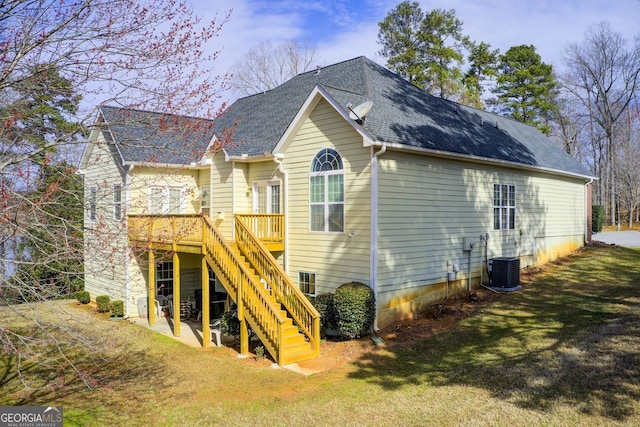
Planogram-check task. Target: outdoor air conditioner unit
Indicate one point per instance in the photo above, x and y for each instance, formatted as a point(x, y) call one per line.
point(505, 272)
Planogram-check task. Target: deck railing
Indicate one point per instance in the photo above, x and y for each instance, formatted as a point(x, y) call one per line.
point(163, 228)
point(269, 228)
point(296, 303)
point(252, 299)
point(254, 302)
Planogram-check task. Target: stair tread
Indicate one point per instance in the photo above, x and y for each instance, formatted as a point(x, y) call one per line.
point(295, 346)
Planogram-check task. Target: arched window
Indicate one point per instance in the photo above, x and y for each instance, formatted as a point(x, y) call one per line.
point(326, 184)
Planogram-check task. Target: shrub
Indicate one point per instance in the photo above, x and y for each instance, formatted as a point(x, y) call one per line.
point(117, 308)
point(230, 323)
point(102, 302)
point(324, 304)
point(354, 305)
point(260, 355)
point(597, 218)
point(83, 297)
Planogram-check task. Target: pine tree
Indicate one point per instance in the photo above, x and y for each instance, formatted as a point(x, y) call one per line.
point(524, 87)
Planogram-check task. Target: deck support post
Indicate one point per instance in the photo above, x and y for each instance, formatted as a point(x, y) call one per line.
point(176, 292)
point(206, 333)
point(151, 292)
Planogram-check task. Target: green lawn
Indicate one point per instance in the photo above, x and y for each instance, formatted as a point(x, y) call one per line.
point(563, 351)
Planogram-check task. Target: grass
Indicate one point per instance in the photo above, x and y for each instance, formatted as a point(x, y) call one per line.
point(563, 351)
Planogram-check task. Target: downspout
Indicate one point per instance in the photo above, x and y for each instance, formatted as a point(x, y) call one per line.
point(586, 204)
point(373, 256)
point(278, 160)
point(127, 254)
point(233, 199)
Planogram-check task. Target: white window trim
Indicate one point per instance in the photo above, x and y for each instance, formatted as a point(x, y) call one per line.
point(205, 197)
point(166, 201)
point(267, 185)
point(117, 204)
point(315, 287)
point(326, 203)
point(93, 203)
point(508, 226)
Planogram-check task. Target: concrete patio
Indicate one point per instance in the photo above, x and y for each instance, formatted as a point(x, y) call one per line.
point(190, 331)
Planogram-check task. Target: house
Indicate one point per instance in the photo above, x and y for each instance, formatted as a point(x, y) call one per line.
point(345, 173)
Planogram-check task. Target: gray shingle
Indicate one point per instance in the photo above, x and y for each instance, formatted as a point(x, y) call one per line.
point(401, 114)
point(147, 137)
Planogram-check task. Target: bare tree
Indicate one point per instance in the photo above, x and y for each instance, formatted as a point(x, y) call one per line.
point(628, 164)
point(139, 54)
point(266, 66)
point(605, 76)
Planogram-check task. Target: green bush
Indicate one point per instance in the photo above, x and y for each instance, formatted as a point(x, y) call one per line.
point(83, 297)
point(230, 323)
point(355, 307)
point(117, 308)
point(324, 304)
point(597, 218)
point(102, 302)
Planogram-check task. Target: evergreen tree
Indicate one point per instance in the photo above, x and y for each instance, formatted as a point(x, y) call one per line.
point(445, 45)
point(426, 49)
point(403, 43)
point(47, 268)
point(482, 66)
point(44, 199)
point(524, 87)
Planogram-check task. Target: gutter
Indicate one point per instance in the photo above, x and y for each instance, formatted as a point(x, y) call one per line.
point(162, 165)
point(481, 160)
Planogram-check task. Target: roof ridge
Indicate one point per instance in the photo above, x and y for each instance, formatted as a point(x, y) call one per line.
point(158, 113)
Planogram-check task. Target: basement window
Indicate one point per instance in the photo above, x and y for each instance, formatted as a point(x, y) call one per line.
point(307, 282)
point(164, 278)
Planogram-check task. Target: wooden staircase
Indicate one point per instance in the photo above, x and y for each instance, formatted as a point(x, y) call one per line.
point(279, 314)
point(295, 346)
point(268, 301)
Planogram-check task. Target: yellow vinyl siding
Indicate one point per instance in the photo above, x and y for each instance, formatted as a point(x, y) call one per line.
point(427, 206)
point(105, 238)
point(222, 194)
point(143, 178)
point(336, 258)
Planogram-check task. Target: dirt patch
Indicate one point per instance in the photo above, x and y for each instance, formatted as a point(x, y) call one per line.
point(437, 319)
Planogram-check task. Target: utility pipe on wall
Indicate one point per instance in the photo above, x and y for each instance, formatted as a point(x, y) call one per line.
point(471, 245)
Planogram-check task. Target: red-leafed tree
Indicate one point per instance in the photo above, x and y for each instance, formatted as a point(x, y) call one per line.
point(59, 61)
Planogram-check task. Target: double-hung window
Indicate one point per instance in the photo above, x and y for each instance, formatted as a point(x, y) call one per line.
point(326, 185)
point(307, 282)
point(117, 202)
point(164, 278)
point(504, 207)
point(165, 200)
point(93, 195)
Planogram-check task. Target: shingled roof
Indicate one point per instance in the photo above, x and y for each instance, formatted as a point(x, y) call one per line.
point(402, 115)
point(148, 137)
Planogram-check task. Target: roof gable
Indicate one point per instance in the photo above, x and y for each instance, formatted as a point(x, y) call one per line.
point(402, 115)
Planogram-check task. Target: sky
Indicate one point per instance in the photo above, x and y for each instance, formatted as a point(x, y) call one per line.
point(343, 29)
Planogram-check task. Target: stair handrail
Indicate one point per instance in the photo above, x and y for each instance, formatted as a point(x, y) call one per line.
point(296, 303)
point(253, 299)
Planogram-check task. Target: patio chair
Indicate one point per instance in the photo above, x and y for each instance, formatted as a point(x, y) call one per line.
point(216, 331)
point(162, 302)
